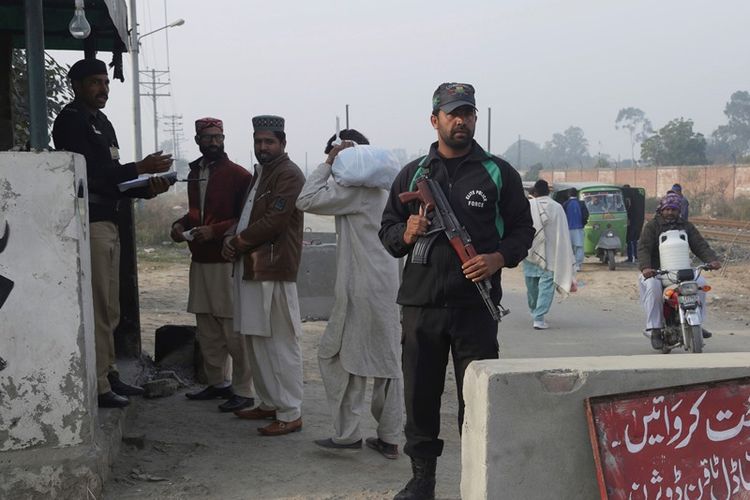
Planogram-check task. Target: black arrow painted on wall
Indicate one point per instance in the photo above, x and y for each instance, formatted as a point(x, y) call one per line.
point(6, 285)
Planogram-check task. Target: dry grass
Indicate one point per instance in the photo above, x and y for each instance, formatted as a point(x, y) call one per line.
point(154, 218)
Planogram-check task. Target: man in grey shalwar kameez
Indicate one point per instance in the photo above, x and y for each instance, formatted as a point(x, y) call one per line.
point(362, 338)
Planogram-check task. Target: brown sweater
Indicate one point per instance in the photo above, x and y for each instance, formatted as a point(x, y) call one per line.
point(274, 232)
point(225, 191)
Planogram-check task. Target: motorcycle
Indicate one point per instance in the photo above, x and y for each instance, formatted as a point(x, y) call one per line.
point(682, 317)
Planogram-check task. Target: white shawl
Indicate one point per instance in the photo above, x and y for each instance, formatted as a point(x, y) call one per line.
point(551, 249)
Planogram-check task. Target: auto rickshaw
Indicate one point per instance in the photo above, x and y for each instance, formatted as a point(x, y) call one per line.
point(612, 209)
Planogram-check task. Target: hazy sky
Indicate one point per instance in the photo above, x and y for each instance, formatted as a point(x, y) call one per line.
point(541, 65)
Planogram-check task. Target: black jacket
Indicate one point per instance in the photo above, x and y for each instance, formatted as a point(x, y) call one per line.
point(91, 134)
point(648, 244)
point(487, 198)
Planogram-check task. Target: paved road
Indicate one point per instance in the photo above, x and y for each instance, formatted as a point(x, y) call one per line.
point(204, 454)
point(588, 325)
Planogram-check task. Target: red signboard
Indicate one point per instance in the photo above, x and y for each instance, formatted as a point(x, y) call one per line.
point(689, 442)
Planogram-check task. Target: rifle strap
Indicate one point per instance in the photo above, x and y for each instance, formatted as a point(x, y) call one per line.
point(493, 170)
point(421, 170)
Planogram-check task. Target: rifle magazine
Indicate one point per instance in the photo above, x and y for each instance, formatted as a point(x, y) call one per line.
point(421, 252)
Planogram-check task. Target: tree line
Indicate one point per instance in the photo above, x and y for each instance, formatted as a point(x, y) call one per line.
point(676, 143)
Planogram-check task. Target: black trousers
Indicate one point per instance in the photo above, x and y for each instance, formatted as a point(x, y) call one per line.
point(429, 334)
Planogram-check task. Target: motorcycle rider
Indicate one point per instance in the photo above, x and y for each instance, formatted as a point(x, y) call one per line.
point(667, 218)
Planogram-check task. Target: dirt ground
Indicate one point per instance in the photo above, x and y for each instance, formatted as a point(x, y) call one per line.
point(177, 449)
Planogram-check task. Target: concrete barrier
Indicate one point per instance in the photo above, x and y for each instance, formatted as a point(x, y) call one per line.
point(525, 433)
point(316, 278)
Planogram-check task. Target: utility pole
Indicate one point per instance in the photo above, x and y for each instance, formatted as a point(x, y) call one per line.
point(519, 151)
point(174, 127)
point(136, 86)
point(135, 41)
point(155, 84)
point(347, 116)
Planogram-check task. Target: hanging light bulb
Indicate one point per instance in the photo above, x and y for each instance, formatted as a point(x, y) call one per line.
point(79, 26)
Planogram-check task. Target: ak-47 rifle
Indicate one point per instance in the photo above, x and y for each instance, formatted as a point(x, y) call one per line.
point(430, 195)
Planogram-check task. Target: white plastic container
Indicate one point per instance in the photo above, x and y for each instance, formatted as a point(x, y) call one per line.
point(674, 250)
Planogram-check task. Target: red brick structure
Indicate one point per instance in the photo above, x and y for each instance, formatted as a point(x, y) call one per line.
point(724, 181)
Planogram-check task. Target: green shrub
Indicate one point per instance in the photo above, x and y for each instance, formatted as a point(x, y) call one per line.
point(741, 208)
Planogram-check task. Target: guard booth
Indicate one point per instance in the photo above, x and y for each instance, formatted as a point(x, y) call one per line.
point(46, 27)
point(51, 445)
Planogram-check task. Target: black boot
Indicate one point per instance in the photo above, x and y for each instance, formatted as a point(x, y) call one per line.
point(422, 485)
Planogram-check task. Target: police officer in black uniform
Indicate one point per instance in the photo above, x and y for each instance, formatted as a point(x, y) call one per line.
point(82, 128)
point(442, 310)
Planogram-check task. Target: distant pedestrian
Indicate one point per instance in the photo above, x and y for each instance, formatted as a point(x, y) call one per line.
point(550, 263)
point(215, 193)
point(363, 336)
point(577, 215)
point(635, 222)
point(684, 203)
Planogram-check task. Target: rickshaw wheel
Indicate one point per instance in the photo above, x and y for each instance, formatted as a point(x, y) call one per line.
point(611, 259)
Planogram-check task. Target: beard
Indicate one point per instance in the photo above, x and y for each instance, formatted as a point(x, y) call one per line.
point(264, 158)
point(454, 142)
point(212, 153)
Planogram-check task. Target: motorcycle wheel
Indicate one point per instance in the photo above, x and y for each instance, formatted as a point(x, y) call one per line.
point(696, 339)
point(611, 259)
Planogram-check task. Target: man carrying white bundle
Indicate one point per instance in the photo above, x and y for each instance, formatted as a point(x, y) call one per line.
point(363, 333)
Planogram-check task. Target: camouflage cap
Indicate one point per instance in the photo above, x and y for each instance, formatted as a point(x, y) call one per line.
point(449, 96)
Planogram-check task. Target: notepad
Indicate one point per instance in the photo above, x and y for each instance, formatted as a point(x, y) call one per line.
point(143, 181)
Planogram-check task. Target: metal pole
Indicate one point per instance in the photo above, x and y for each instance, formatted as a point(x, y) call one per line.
point(347, 116)
point(34, 32)
point(136, 82)
point(489, 130)
point(156, 116)
point(519, 151)
point(174, 137)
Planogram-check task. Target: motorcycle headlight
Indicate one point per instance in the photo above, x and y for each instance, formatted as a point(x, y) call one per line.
point(610, 234)
point(689, 288)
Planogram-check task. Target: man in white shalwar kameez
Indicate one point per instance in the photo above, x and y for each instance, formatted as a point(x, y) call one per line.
point(550, 264)
point(362, 338)
point(267, 246)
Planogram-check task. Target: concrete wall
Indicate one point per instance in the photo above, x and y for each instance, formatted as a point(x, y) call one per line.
point(728, 181)
point(525, 432)
point(48, 386)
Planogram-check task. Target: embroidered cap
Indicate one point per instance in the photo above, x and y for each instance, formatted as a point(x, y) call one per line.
point(270, 123)
point(208, 122)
